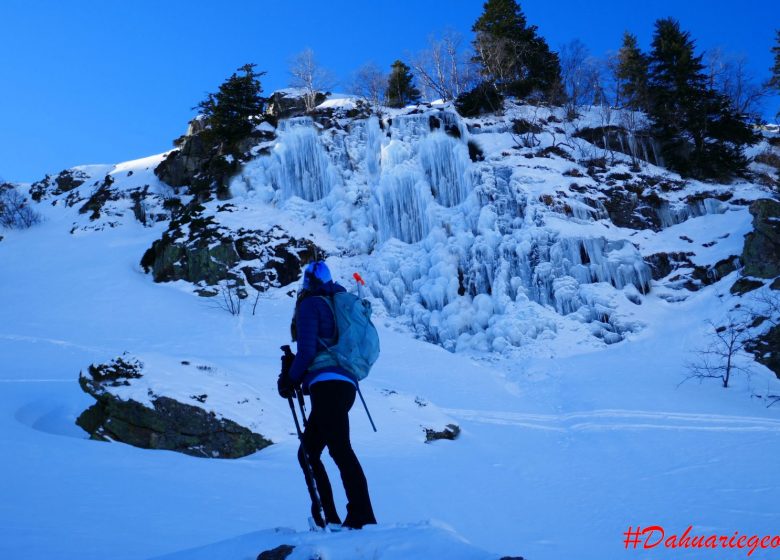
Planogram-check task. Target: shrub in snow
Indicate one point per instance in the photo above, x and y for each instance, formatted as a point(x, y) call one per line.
point(15, 213)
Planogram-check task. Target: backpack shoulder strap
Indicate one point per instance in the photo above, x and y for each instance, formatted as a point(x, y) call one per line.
point(332, 307)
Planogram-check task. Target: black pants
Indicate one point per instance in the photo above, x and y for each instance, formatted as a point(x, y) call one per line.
point(328, 426)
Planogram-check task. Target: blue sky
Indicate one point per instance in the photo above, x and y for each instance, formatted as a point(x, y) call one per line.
point(89, 81)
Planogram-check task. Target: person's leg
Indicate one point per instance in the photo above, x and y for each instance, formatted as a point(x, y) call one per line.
point(340, 397)
point(314, 440)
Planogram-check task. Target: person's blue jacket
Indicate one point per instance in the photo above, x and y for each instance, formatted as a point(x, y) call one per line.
point(314, 320)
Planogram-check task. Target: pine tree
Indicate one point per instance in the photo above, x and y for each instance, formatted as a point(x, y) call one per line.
point(631, 73)
point(229, 112)
point(511, 54)
point(699, 132)
point(774, 80)
point(400, 87)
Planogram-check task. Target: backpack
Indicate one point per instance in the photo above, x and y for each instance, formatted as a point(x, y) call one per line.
point(357, 342)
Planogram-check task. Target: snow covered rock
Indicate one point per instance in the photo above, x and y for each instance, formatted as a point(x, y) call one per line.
point(163, 423)
point(198, 249)
point(66, 181)
point(288, 103)
point(412, 541)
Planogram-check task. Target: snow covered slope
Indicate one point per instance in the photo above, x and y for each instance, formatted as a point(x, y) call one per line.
point(567, 438)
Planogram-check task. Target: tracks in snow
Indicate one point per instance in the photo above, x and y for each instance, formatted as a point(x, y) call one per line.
point(617, 419)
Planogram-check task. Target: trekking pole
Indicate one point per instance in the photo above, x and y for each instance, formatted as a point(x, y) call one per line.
point(311, 483)
point(360, 283)
point(366, 407)
point(301, 405)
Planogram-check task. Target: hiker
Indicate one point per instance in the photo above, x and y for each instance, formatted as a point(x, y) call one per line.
point(332, 390)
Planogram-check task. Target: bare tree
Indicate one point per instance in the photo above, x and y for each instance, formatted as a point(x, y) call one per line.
point(443, 68)
point(14, 210)
point(720, 359)
point(729, 74)
point(308, 75)
point(370, 83)
point(495, 56)
point(229, 295)
point(581, 76)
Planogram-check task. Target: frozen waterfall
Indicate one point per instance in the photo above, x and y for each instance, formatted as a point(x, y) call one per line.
point(402, 211)
point(464, 251)
point(446, 163)
point(300, 165)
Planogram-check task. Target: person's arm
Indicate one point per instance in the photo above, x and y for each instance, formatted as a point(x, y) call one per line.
point(306, 325)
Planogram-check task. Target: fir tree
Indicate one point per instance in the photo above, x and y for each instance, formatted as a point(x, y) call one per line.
point(400, 87)
point(511, 54)
point(774, 80)
point(699, 132)
point(229, 112)
point(631, 74)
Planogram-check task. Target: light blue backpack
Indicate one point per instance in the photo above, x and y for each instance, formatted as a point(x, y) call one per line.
point(356, 346)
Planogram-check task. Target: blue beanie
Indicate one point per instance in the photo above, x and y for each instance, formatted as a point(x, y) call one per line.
point(316, 273)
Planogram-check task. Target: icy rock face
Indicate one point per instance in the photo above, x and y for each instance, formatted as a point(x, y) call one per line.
point(670, 215)
point(458, 249)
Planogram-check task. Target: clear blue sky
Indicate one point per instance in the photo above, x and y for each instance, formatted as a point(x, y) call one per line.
point(88, 81)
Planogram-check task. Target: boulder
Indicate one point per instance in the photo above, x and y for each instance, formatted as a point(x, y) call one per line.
point(286, 104)
point(450, 432)
point(761, 252)
point(281, 552)
point(166, 424)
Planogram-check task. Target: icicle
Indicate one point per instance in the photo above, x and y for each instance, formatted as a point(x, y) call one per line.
point(446, 163)
point(402, 211)
point(373, 145)
point(300, 166)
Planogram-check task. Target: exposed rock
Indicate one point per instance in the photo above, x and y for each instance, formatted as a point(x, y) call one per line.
point(745, 285)
point(775, 285)
point(206, 164)
point(662, 264)
point(168, 424)
point(193, 249)
point(99, 197)
point(280, 257)
point(285, 104)
point(180, 166)
point(761, 253)
point(766, 349)
point(694, 276)
point(451, 432)
point(631, 210)
point(196, 249)
point(279, 553)
point(66, 181)
point(705, 275)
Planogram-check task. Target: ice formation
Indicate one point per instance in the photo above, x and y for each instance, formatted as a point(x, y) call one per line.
point(300, 166)
point(459, 249)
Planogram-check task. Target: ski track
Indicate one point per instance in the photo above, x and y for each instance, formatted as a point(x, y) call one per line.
point(617, 419)
point(54, 341)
